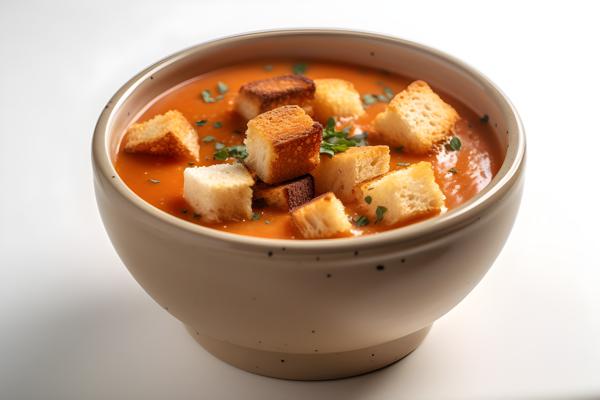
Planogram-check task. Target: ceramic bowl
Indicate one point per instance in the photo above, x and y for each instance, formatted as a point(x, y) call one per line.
point(316, 309)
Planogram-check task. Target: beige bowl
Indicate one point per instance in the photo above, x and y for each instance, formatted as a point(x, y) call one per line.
point(310, 309)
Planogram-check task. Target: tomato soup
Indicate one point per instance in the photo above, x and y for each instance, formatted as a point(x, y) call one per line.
point(207, 101)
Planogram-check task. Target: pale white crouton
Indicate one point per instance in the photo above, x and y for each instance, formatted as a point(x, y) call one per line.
point(336, 98)
point(416, 119)
point(401, 195)
point(322, 217)
point(219, 193)
point(282, 144)
point(340, 173)
point(168, 134)
point(256, 97)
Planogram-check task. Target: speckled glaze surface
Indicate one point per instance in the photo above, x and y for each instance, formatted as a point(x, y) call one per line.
point(310, 309)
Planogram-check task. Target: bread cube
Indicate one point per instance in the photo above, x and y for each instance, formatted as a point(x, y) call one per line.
point(416, 119)
point(219, 193)
point(256, 97)
point(336, 98)
point(286, 196)
point(401, 195)
point(282, 144)
point(340, 173)
point(323, 217)
point(168, 134)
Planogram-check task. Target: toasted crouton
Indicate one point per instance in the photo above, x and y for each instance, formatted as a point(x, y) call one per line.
point(219, 193)
point(401, 195)
point(322, 217)
point(288, 195)
point(336, 97)
point(416, 119)
point(256, 97)
point(340, 173)
point(282, 144)
point(168, 134)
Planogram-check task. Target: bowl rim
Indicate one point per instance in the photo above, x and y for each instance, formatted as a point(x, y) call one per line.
point(425, 230)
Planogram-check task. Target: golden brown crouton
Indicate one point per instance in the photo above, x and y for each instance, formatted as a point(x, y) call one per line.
point(401, 195)
point(340, 173)
point(219, 193)
point(168, 134)
point(286, 196)
point(322, 217)
point(282, 144)
point(416, 119)
point(336, 98)
point(256, 97)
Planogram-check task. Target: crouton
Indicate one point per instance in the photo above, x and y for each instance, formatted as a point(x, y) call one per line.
point(219, 193)
point(256, 97)
point(168, 134)
point(416, 119)
point(286, 196)
point(340, 173)
point(322, 217)
point(282, 144)
point(401, 195)
point(336, 97)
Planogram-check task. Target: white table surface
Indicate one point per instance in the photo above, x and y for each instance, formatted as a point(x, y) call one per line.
point(75, 325)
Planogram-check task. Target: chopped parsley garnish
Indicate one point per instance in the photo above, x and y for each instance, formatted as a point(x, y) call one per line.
point(361, 220)
point(222, 88)
point(238, 152)
point(208, 139)
point(219, 146)
point(207, 97)
point(388, 92)
point(369, 99)
point(255, 216)
point(453, 171)
point(402, 164)
point(217, 124)
point(399, 149)
point(368, 199)
point(153, 181)
point(454, 143)
point(219, 97)
point(299, 68)
point(379, 213)
point(268, 68)
point(202, 122)
point(338, 141)
point(485, 119)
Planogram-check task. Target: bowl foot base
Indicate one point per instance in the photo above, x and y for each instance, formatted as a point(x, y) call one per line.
point(314, 366)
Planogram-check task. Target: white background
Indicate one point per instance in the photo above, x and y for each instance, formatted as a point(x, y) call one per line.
point(75, 325)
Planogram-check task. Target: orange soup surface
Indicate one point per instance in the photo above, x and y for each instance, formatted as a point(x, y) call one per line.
point(159, 180)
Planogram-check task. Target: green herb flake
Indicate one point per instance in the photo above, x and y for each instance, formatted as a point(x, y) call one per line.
point(338, 141)
point(361, 220)
point(255, 216)
point(388, 92)
point(207, 97)
point(399, 149)
point(202, 122)
point(154, 181)
point(369, 99)
point(208, 139)
point(238, 152)
point(268, 68)
point(454, 144)
point(299, 68)
point(402, 164)
point(485, 119)
point(453, 171)
point(217, 125)
point(222, 88)
point(368, 199)
point(379, 213)
point(382, 98)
